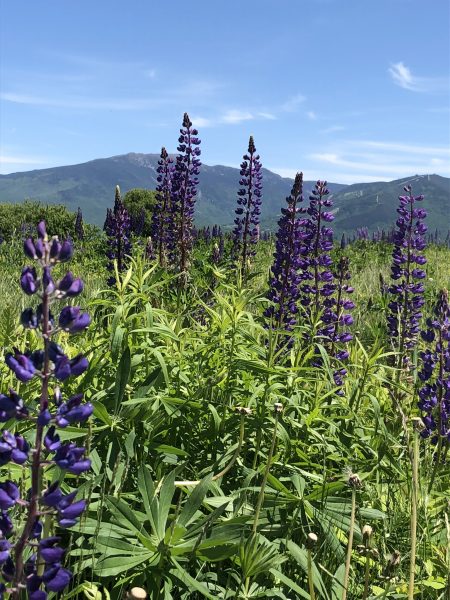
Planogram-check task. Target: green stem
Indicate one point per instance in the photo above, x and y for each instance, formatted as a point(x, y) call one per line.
point(349, 546)
point(366, 578)
point(310, 577)
point(266, 474)
point(413, 522)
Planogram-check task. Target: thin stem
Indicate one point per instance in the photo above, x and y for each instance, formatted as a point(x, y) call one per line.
point(266, 473)
point(413, 522)
point(349, 546)
point(312, 593)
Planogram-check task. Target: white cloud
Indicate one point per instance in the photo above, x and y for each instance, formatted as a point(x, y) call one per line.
point(292, 103)
point(236, 116)
point(202, 122)
point(10, 163)
point(267, 115)
point(403, 77)
point(311, 115)
point(332, 129)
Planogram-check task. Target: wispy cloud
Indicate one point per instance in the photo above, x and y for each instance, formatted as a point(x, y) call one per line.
point(232, 117)
point(10, 163)
point(292, 104)
point(385, 160)
point(236, 116)
point(202, 122)
point(332, 129)
point(403, 77)
point(312, 116)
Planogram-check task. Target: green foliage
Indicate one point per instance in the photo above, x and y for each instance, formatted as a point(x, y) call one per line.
point(18, 220)
point(177, 468)
point(137, 199)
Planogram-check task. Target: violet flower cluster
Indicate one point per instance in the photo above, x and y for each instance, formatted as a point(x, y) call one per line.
point(406, 271)
point(318, 280)
point(248, 211)
point(42, 571)
point(285, 271)
point(434, 395)
point(162, 217)
point(118, 231)
point(184, 194)
point(79, 228)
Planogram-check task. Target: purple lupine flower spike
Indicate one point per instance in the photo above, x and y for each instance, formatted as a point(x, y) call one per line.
point(407, 275)
point(49, 363)
point(184, 194)
point(118, 230)
point(434, 395)
point(285, 278)
point(162, 217)
point(248, 211)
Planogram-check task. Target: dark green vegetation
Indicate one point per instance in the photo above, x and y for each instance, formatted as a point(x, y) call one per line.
point(89, 186)
point(200, 438)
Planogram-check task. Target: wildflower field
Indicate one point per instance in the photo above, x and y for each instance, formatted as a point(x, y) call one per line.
point(200, 414)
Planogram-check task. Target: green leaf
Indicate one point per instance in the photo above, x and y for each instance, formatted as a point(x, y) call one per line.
point(194, 501)
point(108, 566)
point(125, 516)
point(122, 376)
point(190, 582)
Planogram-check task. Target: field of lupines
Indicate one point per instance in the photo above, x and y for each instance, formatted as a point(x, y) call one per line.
point(200, 415)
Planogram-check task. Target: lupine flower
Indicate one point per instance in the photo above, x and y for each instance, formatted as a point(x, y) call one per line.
point(12, 406)
point(49, 363)
point(13, 447)
point(248, 211)
point(407, 260)
point(317, 243)
point(434, 395)
point(71, 458)
point(71, 319)
point(285, 278)
point(137, 222)
point(162, 217)
point(79, 229)
point(118, 231)
point(184, 195)
point(9, 494)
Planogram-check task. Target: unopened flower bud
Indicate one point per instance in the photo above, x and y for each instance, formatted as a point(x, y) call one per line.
point(311, 541)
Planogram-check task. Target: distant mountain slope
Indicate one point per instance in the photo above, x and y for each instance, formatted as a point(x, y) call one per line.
point(91, 186)
point(374, 205)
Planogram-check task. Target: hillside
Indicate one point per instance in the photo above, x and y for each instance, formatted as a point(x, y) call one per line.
point(91, 186)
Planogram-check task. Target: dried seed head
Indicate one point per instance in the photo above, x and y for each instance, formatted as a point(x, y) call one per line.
point(311, 541)
point(354, 481)
point(367, 532)
point(278, 407)
point(243, 410)
point(137, 593)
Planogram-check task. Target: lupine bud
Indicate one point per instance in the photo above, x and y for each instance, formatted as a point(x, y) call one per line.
point(9, 494)
point(71, 319)
point(28, 280)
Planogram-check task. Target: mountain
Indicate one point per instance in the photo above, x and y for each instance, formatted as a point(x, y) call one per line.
point(91, 186)
point(374, 205)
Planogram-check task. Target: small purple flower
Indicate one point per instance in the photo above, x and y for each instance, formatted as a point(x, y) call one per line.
point(56, 578)
point(49, 551)
point(69, 511)
point(5, 548)
point(22, 365)
point(29, 280)
point(73, 411)
point(71, 458)
point(13, 447)
point(52, 440)
point(11, 406)
point(71, 319)
point(9, 494)
point(6, 524)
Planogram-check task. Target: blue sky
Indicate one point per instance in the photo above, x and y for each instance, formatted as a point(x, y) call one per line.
point(345, 90)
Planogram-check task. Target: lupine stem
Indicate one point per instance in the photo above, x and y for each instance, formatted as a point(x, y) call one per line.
point(36, 469)
point(278, 409)
point(312, 593)
point(413, 521)
point(349, 545)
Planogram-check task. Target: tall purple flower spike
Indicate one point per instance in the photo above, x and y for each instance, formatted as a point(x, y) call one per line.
point(162, 233)
point(184, 194)
point(434, 395)
point(285, 277)
point(248, 210)
point(118, 230)
point(407, 274)
point(49, 364)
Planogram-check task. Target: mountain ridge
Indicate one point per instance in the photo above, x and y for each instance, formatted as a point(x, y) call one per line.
point(91, 185)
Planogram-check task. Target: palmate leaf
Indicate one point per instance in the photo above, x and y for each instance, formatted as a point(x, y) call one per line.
point(113, 565)
point(257, 555)
point(125, 516)
point(194, 501)
point(190, 582)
